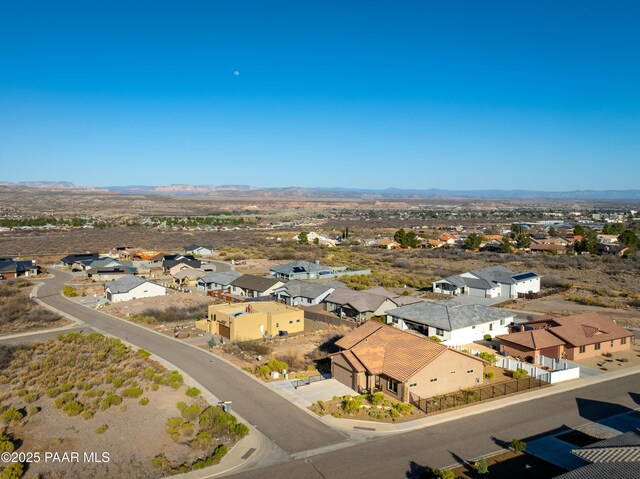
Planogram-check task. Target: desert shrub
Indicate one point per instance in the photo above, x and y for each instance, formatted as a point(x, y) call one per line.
point(143, 353)
point(117, 382)
point(351, 404)
point(489, 374)
point(31, 410)
point(6, 443)
point(481, 466)
point(191, 412)
point(294, 359)
point(69, 292)
point(376, 399)
point(518, 445)
point(133, 392)
point(241, 430)
point(491, 358)
point(11, 414)
point(143, 401)
point(73, 408)
point(262, 371)
point(487, 337)
point(255, 348)
point(86, 415)
point(161, 462)
point(275, 365)
point(220, 452)
point(110, 400)
point(519, 373)
point(193, 392)
point(175, 379)
point(53, 392)
point(187, 428)
point(31, 398)
point(102, 428)
point(12, 471)
point(181, 406)
point(435, 338)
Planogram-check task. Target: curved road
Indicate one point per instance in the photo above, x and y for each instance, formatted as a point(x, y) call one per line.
point(286, 425)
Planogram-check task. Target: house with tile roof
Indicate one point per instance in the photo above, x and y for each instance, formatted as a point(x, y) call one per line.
point(492, 282)
point(584, 335)
point(302, 293)
point(531, 344)
point(452, 322)
point(617, 457)
point(377, 357)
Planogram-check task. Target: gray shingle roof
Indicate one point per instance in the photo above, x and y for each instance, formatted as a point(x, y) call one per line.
point(622, 448)
point(125, 284)
point(224, 277)
point(254, 283)
point(488, 278)
point(297, 267)
point(360, 301)
point(448, 315)
point(302, 289)
point(605, 470)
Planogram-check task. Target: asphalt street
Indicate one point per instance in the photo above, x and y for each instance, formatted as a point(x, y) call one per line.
point(403, 455)
point(286, 425)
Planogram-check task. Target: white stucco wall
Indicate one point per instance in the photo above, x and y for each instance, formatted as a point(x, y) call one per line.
point(146, 290)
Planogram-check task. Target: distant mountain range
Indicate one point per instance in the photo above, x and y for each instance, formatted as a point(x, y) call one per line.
point(245, 191)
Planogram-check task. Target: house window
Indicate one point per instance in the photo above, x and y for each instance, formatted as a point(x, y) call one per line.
point(290, 322)
point(453, 372)
point(502, 322)
point(392, 386)
point(277, 325)
point(582, 349)
point(490, 326)
point(598, 346)
point(297, 320)
point(469, 371)
point(473, 327)
point(612, 343)
point(623, 341)
point(439, 332)
point(433, 380)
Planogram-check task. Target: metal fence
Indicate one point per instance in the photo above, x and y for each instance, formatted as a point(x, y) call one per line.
point(328, 319)
point(473, 395)
point(306, 381)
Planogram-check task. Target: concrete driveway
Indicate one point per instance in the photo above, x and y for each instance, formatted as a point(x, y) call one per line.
point(310, 393)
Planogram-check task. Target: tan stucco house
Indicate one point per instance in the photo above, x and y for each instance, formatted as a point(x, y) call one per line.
point(248, 321)
point(399, 363)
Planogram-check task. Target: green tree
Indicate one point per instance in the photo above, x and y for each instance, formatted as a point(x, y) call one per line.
point(411, 240)
point(303, 238)
point(316, 240)
point(517, 229)
point(523, 241)
point(212, 343)
point(505, 245)
point(553, 232)
point(473, 241)
point(400, 236)
point(629, 238)
point(613, 229)
point(578, 230)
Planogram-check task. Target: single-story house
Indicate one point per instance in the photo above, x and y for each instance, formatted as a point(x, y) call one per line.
point(178, 267)
point(254, 286)
point(198, 249)
point(10, 268)
point(451, 322)
point(110, 273)
point(357, 305)
point(211, 266)
point(398, 299)
point(132, 287)
point(584, 335)
point(492, 282)
point(188, 276)
point(300, 270)
point(531, 344)
point(388, 244)
point(322, 240)
point(298, 292)
point(217, 281)
point(249, 321)
point(377, 357)
point(167, 264)
point(617, 457)
point(80, 261)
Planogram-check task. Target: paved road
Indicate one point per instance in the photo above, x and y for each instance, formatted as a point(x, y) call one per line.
point(466, 439)
point(287, 426)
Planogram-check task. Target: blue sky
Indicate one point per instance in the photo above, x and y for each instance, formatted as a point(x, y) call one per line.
point(412, 94)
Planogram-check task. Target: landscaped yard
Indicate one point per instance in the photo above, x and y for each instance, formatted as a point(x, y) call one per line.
point(368, 407)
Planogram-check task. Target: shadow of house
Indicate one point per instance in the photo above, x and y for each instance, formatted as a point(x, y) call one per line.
point(596, 411)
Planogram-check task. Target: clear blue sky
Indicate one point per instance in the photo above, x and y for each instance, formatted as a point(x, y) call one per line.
point(410, 94)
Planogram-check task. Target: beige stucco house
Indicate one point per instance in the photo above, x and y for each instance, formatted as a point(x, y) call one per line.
point(248, 321)
point(399, 363)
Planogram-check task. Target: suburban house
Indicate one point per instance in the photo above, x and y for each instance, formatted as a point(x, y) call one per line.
point(451, 322)
point(249, 321)
point(110, 273)
point(583, 336)
point(532, 344)
point(388, 244)
point(300, 270)
point(188, 276)
point(10, 268)
point(215, 266)
point(377, 357)
point(167, 264)
point(322, 240)
point(492, 282)
point(198, 249)
point(357, 305)
point(616, 457)
point(132, 287)
point(254, 286)
point(217, 281)
point(300, 293)
point(79, 261)
point(397, 299)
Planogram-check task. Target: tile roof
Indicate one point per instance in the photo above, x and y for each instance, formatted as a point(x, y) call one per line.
point(449, 315)
point(255, 283)
point(386, 350)
point(587, 328)
point(534, 339)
